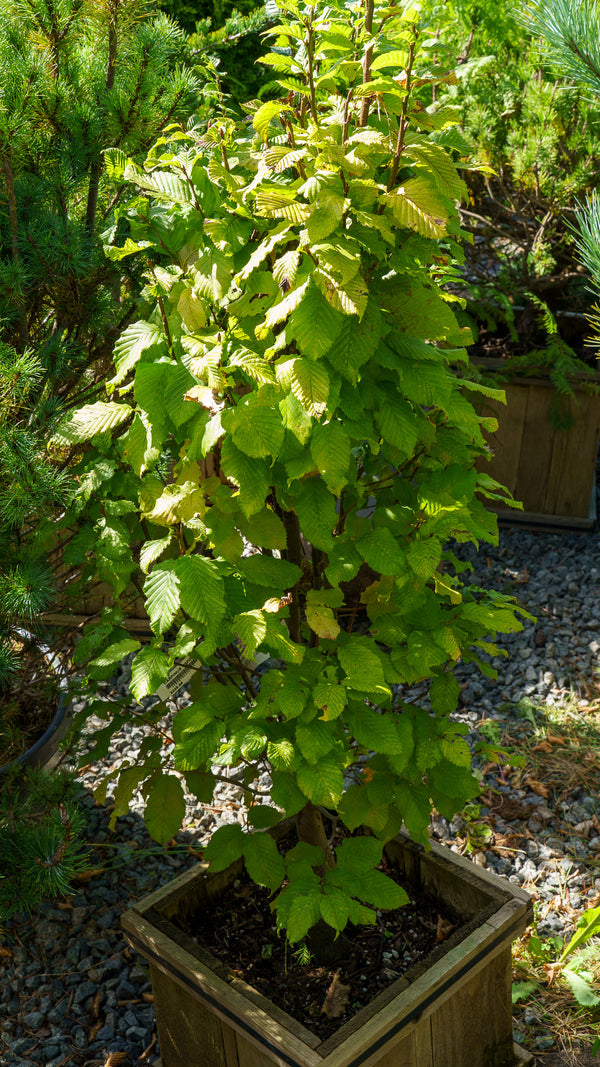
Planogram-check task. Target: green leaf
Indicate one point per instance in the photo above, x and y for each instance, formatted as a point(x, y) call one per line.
point(152, 550)
point(310, 385)
point(263, 861)
point(417, 206)
point(444, 692)
point(149, 670)
point(161, 590)
point(424, 556)
point(314, 325)
point(134, 340)
point(257, 428)
point(398, 424)
point(523, 990)
point(375, 731)
point(322, 621)
point(165, 808)
point(140, 444)
point(201, 784)
point(358, 855)
point(266, 530)
point(303, 912)
point(251, 629)
point(335, 908)
point(363, 666)
point(261, 816)
point(380, 549)
point(330, 698)
point(380, 891)
point(201, 588)
point(225, 847)
point(582, 990)
point(115, 653)
point(322, 783)
point(89, 420)
point(197, 733)
point(277, 574)
point(315, 507)
point(330, 448)
point(315, 740)
point(248, 474)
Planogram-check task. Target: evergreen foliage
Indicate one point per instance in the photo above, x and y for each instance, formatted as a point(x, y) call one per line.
point(536, 128)
point(292, 388)
point(40, 840)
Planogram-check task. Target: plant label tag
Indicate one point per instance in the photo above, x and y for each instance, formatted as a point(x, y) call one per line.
point(178, 676)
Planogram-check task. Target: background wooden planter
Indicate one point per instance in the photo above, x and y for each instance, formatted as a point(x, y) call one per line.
point(453, 1010)
point(552, 472)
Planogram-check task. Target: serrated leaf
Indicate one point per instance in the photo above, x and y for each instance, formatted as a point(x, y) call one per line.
point(363, 666)
point(375, 731)
point(277, 204)
point(134, 340)
point(310, 385)
point(315, 507)
point(265, 114)
point(263, 861)
point(278, 574)
point(303, 912)
point(164, 184)
point(315, 740)
point(424, 556)
point(192, 309)
point(140, 444)
point(322, 621)
point(225, 847)
point(380, 549)
point(330, 449)
point(247, 473)
point(322, 783)
point(201, 588)
point(444, 692)
point(285, 268)
point(161, 590)
point(380, 891)
point(115, 653)
point(257, 428)
point(152, 550)
point(582, 990)
point(149, 670)
point(398, 423)
point(165, 808)
point(330, 698)
point(89, 420)
point(254, 365)
point(280, 311)
point(251, 629)
point(335, 908)
point(417, 206)
point(314, 324)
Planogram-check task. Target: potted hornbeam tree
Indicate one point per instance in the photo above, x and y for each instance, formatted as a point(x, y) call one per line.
point(286, 441)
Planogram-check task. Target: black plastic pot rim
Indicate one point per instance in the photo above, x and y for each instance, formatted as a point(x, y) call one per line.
point(55, 665)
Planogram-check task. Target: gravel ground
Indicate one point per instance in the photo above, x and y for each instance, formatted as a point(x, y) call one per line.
point(71, 992)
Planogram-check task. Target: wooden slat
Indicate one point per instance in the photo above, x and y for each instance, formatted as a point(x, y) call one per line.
point(506, 442)
point(281, 1046)
point(537, 444)
point(431, 990)
point(184, 1026)
point(573, 468)
point(462, 1033)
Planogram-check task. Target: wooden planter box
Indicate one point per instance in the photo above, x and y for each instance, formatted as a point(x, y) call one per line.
point(452, 1010)
point(552, 472)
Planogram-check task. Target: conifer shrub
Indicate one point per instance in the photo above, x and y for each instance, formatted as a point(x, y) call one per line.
point(286, 441)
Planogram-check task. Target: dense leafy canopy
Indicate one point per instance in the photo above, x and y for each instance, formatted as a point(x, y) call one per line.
point(292, 389)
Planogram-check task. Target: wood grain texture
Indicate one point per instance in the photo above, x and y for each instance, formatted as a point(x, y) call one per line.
point(550, 471)
point(420, 1021)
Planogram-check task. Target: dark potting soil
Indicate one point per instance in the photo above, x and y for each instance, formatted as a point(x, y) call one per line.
point(238, 928)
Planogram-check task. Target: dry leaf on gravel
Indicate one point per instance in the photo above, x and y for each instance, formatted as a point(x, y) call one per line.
point(537, 787)
point(5, 951)
point(148, 997)
point(336, 998)
point(86, 876)
point(115, 1059)
point(95, 1009)
point(444, 929)
point(585, 828)
point(544, 746)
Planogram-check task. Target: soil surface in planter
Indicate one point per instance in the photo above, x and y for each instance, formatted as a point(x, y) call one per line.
point(239, 929)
